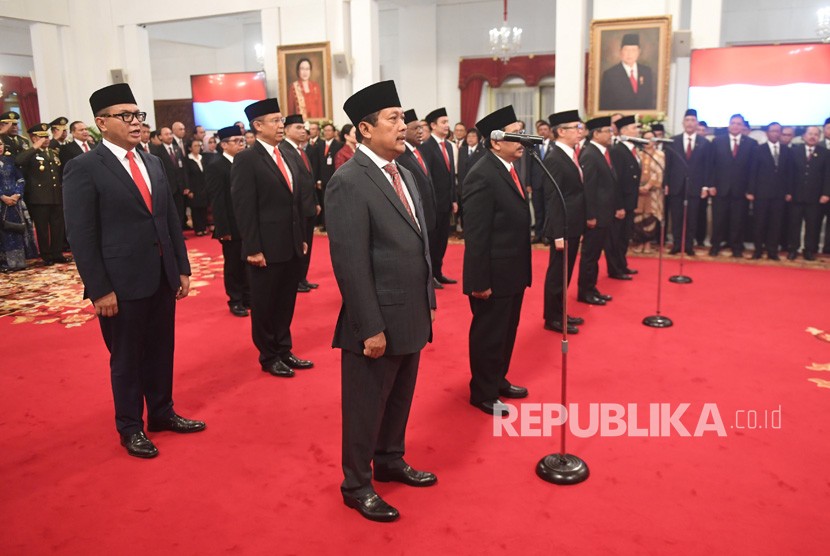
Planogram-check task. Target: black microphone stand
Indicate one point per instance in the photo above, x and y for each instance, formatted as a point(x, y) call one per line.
point(561, 468)
point(682, 278)
point(657, 320)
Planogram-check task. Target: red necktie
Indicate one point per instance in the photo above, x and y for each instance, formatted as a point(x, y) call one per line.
point(734, 147)
point(608, 157)
point(326, 151)
point(86, 148)
point(172, 155)
point(139, 181)
point(420, 160)
point(635, 154)
point(689, 149)
point(305, 159)
point(633, 81)
point(516, 181)
point(809, 153)
point(446, 156)
point(576, 153)
point(392, 170)
point(282, 168)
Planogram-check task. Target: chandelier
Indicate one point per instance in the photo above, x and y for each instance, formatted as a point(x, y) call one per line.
point(505, 40)
point(823, 29)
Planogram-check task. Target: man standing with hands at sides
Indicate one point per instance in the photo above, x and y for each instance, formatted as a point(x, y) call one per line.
point(303, 174)
point(266, 201)
point(772, 174)
point(564, 166)
point(380, 255)
point(412, 160)
point(218, 185)
point(326, 151)
point(496, 262)
point(809, 193)
point(438, 156)
point(130, 253)
point(627, 165)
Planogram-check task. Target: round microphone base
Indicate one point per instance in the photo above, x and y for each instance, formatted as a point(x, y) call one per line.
point(562, 469)
point(657, 321)
point(680, 279)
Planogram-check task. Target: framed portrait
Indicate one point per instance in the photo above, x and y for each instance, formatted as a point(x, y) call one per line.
point(628, 66)
point(305, 80)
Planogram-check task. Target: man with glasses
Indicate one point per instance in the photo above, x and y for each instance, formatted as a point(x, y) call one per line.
point(130, 253)
point(266, 196)
point(563, 164)
point(173, 164)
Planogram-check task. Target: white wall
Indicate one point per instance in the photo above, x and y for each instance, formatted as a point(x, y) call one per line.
point(15, 50)
point(765, 21)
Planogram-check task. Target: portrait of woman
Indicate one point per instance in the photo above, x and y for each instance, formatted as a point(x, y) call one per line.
point(304, 95)
point(305, 80)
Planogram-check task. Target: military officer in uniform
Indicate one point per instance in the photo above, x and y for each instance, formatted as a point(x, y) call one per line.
point(13, 144)
point(44, 193)
point(59, 131)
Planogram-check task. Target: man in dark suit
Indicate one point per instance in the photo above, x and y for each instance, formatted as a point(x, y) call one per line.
point(79, 145)
point(603, 204)
point(809, 192)
point(173, 164)
point(732, 157)
point(326, 151)
point(696, 151)
point(538, 178)
point(438, 156)
point(380, 255)
point(468, 154)
point(412, 160)
point(627, 164)
point(304, 177)
point(562, 163)
point(772, 171)
point(628, 85)
point(130, 253)
point(267, 203)
point(824, 214)
point(496, 262)
point(218, 185)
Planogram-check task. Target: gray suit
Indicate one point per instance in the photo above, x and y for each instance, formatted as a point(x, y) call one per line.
point(382, 264)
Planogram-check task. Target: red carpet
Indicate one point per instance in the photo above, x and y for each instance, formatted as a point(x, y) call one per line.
point(263, 479)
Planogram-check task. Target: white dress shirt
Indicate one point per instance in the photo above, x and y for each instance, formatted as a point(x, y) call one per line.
point(274, 152)
point(121, 155)
point(380, 164)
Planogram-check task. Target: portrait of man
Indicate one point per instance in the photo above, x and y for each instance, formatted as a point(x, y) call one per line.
point(628, 84)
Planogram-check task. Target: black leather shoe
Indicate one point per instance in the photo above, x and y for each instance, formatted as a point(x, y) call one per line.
point(372, 507)
point(514, 392)
point(691, 252)
point(590, 299)
point(295, 362)
point(792, 255)
point(604, 297)
point(620, 276)
point(737, 254)
point(713, 252)
point(575, 320)
point(48, 262)
point(63, 260)
point(176, 423)
point(406, 475)
point(556, 325)
point(138, 445)
point(302, 288)
point(444, 280)
point(493, 407)
point(310, 285)
point(436, 284)
point(239, 311)
point(674, 252)
point(631, 271)
point(756, 255)
point(280, 369)
point(809, 256)
point(773, 257)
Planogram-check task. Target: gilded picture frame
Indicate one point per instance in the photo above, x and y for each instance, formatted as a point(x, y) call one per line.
point(305, 80)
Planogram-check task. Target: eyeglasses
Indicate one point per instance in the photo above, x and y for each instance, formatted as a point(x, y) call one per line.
point(575, 126)
point(275, 121)
point(127, 117)
point(236, 140)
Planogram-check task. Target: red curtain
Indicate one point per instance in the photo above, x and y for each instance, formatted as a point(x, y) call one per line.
point(473, 72)
point(26, 97)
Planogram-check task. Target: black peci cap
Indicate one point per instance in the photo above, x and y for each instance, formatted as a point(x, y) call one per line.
point(565, 117)
point(410, 116)
point(371, 99)
point(120, 93)
point(435, 114)
point(261, 108)
point(499, 119)
point(228, 132)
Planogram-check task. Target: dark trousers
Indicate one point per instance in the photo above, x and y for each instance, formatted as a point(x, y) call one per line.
point(178, 200)
point(728, 216)
point(376, 397)
point(702, 219)
point(309, 239)
point(200, 220)
point(768, 214)
point(825, 213)
point(235, 273)
point(808, 213)
point(273, 296)
point(321, 200)
point(616, 246)
point(492, 337)
point(676, 208)
point(593, 242)
point(539, 211)
point(438, 242)
point(140, 339)
point(554, 280)
point(50, 230)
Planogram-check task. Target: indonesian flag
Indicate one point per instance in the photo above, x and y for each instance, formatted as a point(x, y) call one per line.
point(785, 83)
point(220, 99)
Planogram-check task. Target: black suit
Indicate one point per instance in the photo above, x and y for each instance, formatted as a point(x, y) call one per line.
point(424, 183)
point(324, 159)
point(700, 176)
point(381, 262)
point(270, 221)
point(199, 202)
point(568, 177)
point(176, 175)
point(811, 181)
point(218, 185)
point(616, 92)
point(496, 257)
point(730, 177)
point(122, 247)
point(304, 180)
point(443, 180)
point(466, 161)
point(769, 183)
point(602, 200)
point(537, 178)
point(628, 170)
point(69, 151)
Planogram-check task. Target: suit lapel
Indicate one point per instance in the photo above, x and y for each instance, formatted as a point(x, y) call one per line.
point(379, 179)
point(156, 194)
point(114, 166)
point(505, 175)
point(268, 161)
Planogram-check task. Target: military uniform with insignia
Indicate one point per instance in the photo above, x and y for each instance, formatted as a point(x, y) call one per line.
point(59, 132)
point(44, 194)
point(13, 144)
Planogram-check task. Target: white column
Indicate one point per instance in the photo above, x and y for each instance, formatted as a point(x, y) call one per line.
point(270, 21)
point(338, 31)
point(365, 43)
point(571, 44)
point(418, 56)
point(136, 51)
point(47, 56)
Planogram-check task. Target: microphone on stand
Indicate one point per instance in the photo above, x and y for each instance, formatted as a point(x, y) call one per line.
point(662, 140)
point(635, 140)
point(499, 135)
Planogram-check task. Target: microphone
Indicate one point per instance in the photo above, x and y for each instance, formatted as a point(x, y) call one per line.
point(499, 135)
point(635, 140)
point(662, 140)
